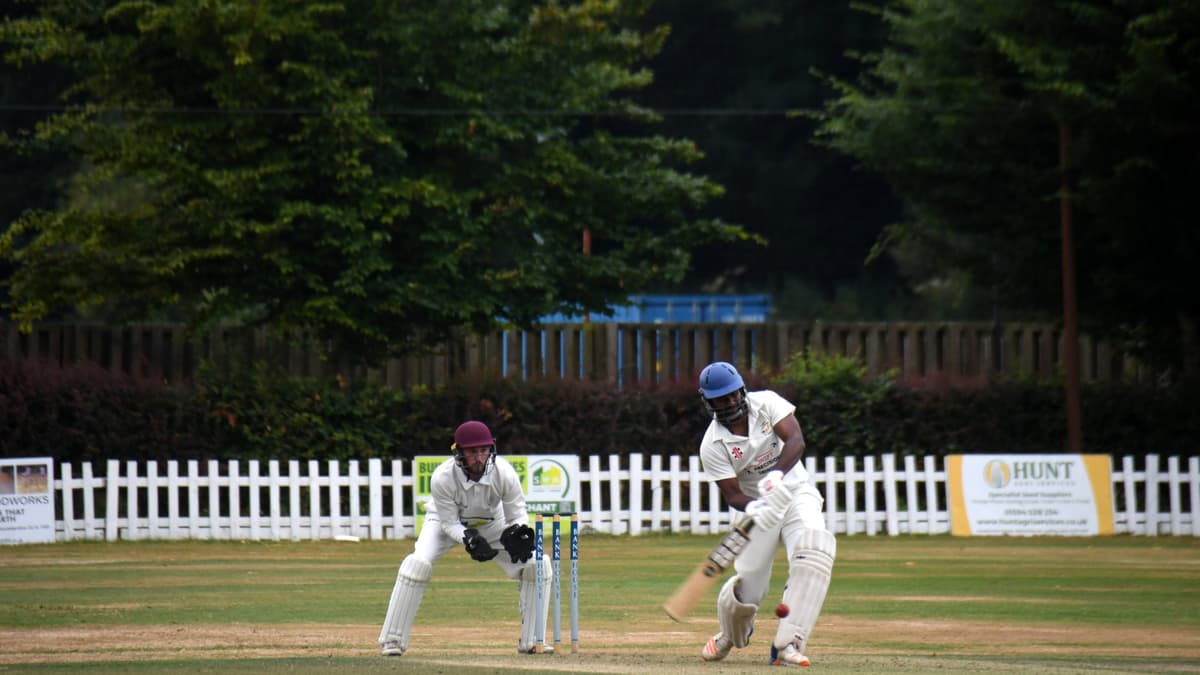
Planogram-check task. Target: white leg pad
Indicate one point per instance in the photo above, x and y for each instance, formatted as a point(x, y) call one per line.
point(809, 572)
point(406, 598)
point(735, 616)
point(529, 605)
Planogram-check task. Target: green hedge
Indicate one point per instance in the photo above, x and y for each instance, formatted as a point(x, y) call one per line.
point(84, 413)
point(844, 412)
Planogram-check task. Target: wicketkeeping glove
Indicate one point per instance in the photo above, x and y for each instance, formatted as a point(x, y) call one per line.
point(518, 541)
point(477, 546)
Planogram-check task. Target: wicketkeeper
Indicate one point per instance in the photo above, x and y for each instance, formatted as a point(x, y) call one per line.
point(753, 435)
point(478, 504)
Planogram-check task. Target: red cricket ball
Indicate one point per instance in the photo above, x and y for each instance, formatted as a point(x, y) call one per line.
point(781, 610)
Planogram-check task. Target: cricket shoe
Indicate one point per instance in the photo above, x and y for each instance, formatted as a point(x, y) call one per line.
point(716, 648)
point(536, 649)
point(391, 649)
point(788, 656)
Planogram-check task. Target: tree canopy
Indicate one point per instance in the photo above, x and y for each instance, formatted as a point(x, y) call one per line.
point(729, 75)
point(381, 173)
point(961, 112)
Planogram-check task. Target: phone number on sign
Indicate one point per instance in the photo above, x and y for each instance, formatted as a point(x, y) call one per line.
point(1031, 512)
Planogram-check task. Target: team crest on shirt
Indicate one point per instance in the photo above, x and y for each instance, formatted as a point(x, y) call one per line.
point(736, 452)
point(765, 427)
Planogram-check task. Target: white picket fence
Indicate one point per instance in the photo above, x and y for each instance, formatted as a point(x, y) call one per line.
point(294, 500)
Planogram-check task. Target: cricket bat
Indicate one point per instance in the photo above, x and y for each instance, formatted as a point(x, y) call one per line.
point(692, 590)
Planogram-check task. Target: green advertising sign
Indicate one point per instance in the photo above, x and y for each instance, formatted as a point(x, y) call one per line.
point(550, 482)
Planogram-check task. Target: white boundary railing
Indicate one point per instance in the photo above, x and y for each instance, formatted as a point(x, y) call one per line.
point(293, 500)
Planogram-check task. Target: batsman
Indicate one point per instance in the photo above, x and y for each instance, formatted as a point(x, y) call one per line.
point(752, 449)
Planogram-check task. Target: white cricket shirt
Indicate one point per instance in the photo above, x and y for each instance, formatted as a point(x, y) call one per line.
point(459, 503)
point(725, 454)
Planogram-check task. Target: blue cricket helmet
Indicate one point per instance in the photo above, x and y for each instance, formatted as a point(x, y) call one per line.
point(719, 379)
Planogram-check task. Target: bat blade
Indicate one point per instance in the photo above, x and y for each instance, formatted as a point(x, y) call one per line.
point(691, 591)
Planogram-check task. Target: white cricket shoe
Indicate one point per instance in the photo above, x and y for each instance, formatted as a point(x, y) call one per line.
point(716, 648)
point(536, 649)
point(391, 649)
point(789, 656)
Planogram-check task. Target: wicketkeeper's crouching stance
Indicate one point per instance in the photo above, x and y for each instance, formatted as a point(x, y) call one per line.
point(477, 502)
point(751, 436)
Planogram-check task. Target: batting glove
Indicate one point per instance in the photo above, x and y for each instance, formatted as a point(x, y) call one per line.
point(768, 509)
point(765, 516)
point(772, 489)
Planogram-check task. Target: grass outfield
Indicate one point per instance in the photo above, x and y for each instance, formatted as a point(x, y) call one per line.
point(897, 604)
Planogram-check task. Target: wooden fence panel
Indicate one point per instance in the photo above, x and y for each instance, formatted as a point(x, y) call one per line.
point(606, 352)
point(648, 354)
point(573, 353)
point(630, 355)
point(668, 355)
point(704, 351)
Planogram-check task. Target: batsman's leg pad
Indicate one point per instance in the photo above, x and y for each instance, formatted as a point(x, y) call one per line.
point(736, 617)
point(809, 572)
point(406, 598)
point(528, 601)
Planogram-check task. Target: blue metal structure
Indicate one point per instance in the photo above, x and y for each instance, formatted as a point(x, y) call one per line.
point(657, 309)
point(681, 309)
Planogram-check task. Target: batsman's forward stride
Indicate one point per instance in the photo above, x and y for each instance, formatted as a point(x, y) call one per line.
point(753, 435)
point(477, 502)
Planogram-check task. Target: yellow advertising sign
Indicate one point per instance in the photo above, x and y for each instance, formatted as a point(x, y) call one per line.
point(1030, 494)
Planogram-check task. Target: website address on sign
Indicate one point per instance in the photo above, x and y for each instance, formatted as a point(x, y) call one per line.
point(1027, 522)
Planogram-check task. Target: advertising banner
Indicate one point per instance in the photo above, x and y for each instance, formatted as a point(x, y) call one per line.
point(1030, 494)
point(27, 500)
point(550, 482)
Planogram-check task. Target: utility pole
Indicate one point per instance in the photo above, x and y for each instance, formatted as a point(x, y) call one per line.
point(587, 250)
point(1070, 327)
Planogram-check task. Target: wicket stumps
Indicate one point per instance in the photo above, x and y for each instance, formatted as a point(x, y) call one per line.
point(556, 577)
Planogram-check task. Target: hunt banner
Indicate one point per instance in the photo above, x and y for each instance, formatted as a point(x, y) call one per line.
point(1030, 494)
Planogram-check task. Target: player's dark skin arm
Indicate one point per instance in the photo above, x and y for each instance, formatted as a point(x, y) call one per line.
point(788, 430)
